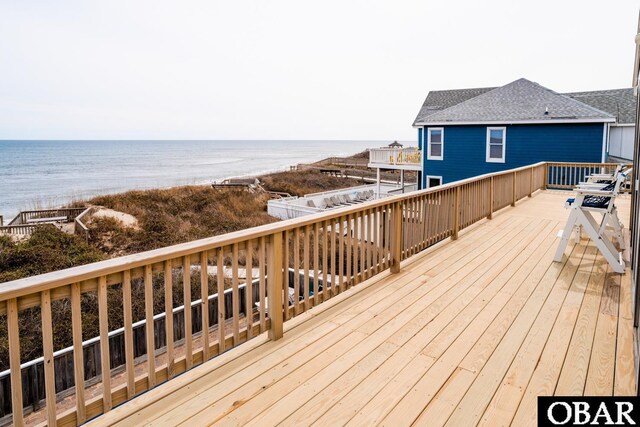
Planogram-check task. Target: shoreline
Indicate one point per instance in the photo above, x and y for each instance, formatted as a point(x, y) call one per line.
point(75, 199)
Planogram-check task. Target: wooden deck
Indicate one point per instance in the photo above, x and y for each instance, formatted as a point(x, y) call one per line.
point(469, 332)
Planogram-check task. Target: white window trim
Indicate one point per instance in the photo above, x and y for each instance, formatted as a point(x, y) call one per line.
point(433, 177)
point(429, 156)
point(504, 144)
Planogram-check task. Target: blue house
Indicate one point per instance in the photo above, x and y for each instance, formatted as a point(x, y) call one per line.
point(468, 132)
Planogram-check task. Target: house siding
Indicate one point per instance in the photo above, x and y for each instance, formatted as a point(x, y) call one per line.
point(465, 148)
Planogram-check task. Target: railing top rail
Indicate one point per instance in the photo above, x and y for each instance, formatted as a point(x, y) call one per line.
point(30, 285)
point(53, 210)
point(588, 163)
point(11, 226)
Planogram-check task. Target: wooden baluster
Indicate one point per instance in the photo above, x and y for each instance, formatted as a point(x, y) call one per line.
point(13, 328)
point(390, 233)
point(263, 285)
point(428, 218)
point(409, 228)
point(363, 267)
point(316, 261)
point(334, 279)
point(341, 254)
point(405, 229)
point(275, 294)
point(515, 196)
point(367, 238)
point(248, 300)
point(287, 261)
point(307, 258)
point(358, 263)
point(415, 226)
point(221, 314)
point(376, 240)
point(456, 214)
point(347, 253)
point(296, 271)
point(325, 262)
point(150, 331)
point(235, 294)
point(204, 296)
point(423, 222)
point(128, 334)
point(370, 243)
point(105, 364)
point(47, 345)
point(547, 176)
point(354, 247)
point(78, 354)
point(188, 328)
point(168, 321)
point(396, 238)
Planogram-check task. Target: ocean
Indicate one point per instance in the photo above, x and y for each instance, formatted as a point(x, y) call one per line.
point(43, 174)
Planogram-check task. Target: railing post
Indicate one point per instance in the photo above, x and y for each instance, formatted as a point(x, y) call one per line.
point(396, 238)
point(490, 216)
point(546, 176)
point(530, 181)
point(274, 284)
point(514, 190)
point(456, 212)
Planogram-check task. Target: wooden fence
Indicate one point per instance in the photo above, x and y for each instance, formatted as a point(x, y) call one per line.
point(25, 216)
point(21, 223)
point(27, 229)
point(33, 381)
point(568, 175)
point(293, 259)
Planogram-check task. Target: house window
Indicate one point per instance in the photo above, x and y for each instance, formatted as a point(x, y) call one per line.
point(435, 144)
point(496, 144)
point(433, 181)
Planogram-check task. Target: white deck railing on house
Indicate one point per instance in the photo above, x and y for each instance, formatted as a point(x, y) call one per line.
point(409, 156)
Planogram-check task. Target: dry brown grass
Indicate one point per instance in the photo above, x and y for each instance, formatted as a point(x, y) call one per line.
point(299, 183)
point(175, 215)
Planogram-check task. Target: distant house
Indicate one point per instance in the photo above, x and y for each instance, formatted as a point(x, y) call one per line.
point(468, 132)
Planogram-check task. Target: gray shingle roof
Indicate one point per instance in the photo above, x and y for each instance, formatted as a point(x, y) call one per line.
point(441, 99)
point(620, 103)
point(517, 101)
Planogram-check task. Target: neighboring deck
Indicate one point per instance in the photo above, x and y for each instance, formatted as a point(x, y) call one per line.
point(469, 332)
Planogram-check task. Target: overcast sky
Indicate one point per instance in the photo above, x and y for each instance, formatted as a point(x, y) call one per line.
point(286, 69)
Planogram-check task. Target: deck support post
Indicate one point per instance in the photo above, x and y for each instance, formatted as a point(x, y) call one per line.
point(274, 286)
point(514, 190)
point(396, 238)
point(491, 196)
point(456, 213)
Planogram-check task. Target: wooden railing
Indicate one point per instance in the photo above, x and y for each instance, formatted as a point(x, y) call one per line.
point(568, 175)
point(23, 230)
point(289, 267)
point(79, 226)
point(69, 213)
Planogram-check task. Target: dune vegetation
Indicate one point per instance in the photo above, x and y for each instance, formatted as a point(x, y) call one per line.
point(164, 217)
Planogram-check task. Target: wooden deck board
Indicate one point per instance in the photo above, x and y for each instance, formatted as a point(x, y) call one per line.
point(469, 332)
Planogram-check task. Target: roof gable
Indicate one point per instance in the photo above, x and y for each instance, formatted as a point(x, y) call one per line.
point(521, 100)
point(438, 100)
